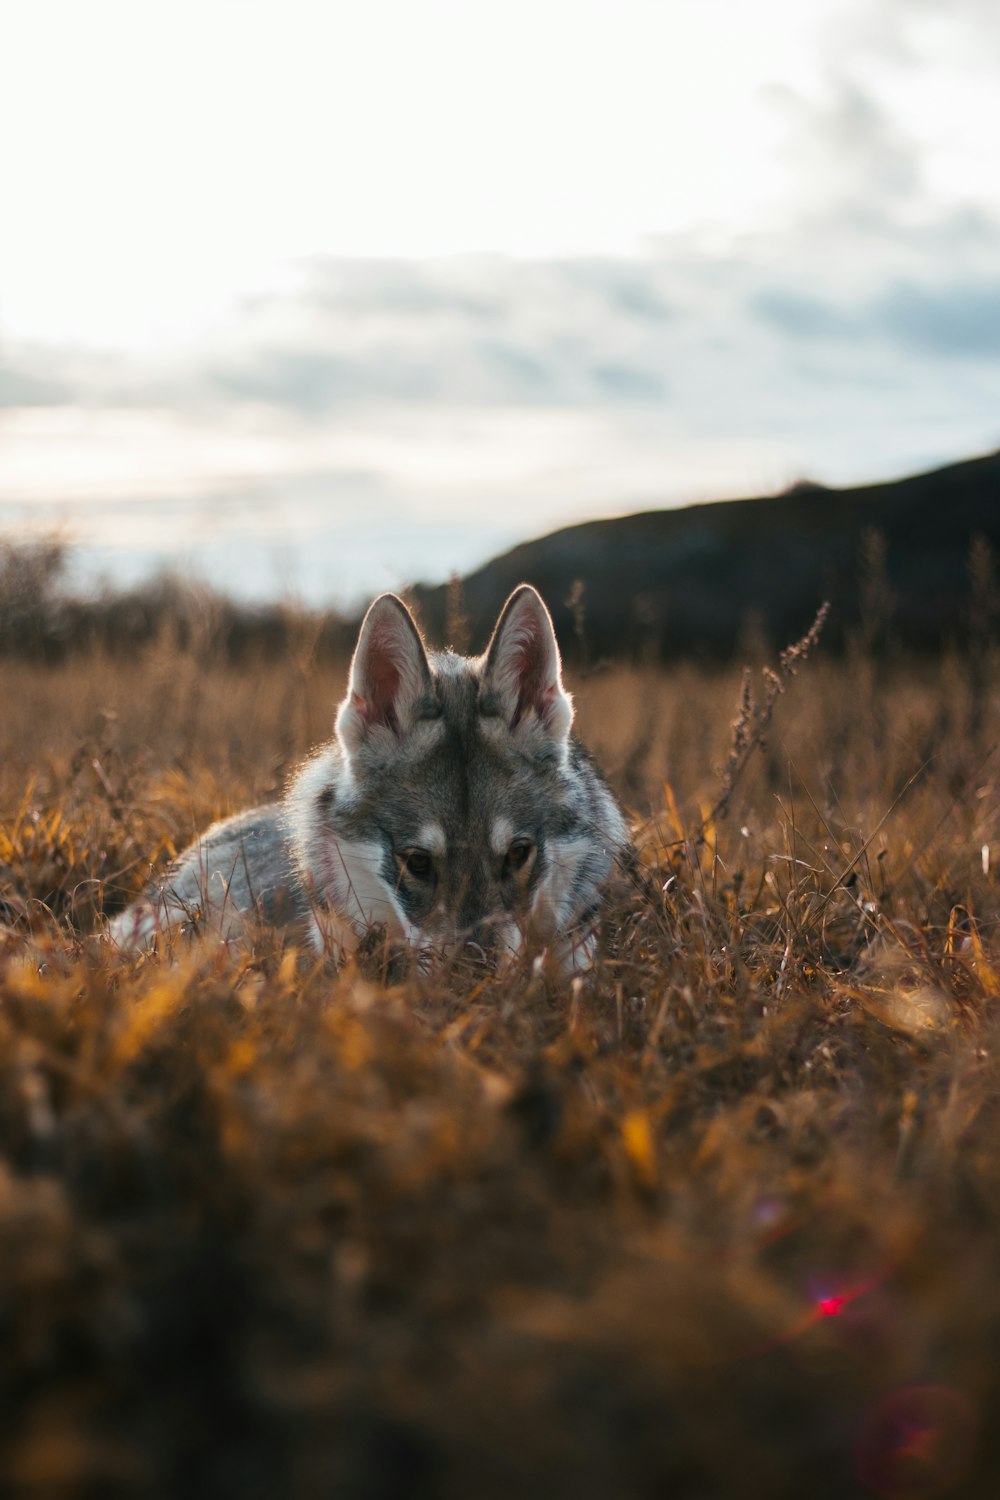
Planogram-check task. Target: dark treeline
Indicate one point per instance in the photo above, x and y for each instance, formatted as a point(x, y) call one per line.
point(42, 619)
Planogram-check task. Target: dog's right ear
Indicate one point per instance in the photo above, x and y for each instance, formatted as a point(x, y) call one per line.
point(389, 675)
point(522, 669)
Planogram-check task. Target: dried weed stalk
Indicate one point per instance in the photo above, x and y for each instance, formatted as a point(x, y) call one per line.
point(751, 725)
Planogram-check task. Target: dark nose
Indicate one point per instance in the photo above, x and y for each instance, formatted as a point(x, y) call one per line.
point(473, 913)
point(480, 947)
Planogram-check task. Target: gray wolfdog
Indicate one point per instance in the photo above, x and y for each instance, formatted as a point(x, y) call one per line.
point(454, 807)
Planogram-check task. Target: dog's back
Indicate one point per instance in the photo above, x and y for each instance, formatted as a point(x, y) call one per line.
point(239, 870)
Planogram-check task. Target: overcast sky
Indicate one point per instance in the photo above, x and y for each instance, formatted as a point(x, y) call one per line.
point(325, 296)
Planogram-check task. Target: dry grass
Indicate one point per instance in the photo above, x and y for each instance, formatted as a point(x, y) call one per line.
point(721, 1219)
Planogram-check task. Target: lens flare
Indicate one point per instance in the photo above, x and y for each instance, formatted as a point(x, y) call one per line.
point(916, 1444)
point(829, 1307)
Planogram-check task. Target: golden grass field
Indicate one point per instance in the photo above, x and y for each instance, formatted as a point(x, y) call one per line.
point(720, 1219)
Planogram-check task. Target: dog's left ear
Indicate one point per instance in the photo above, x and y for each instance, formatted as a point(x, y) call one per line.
point(522, 670)
point(389, 677)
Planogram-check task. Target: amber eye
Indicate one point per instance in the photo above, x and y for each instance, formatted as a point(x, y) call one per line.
point(417, 863)
point(518, 856)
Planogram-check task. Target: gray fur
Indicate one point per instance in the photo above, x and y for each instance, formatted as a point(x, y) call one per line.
point(238, 870)
point(454, 806)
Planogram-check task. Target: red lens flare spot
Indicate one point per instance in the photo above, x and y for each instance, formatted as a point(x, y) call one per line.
point(829, 1304)
point(829, 1307)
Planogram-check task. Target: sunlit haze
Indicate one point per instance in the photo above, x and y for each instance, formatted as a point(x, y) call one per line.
point(322, 297)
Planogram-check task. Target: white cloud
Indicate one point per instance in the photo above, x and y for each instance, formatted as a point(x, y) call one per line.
point(165, 152)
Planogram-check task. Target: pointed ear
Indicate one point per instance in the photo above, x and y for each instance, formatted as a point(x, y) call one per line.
point(522, 666)
point(389, 674)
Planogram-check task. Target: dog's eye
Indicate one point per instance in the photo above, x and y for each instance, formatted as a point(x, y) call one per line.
point(417, 863)
point(518, 856)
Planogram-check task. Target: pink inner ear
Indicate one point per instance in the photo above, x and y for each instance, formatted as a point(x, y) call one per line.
point(382, 678)
point(529, 673)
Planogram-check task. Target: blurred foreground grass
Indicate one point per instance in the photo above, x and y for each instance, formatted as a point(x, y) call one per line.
point(722, 1218)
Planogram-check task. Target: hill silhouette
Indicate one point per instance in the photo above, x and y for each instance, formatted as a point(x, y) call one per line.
point(893, 559)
